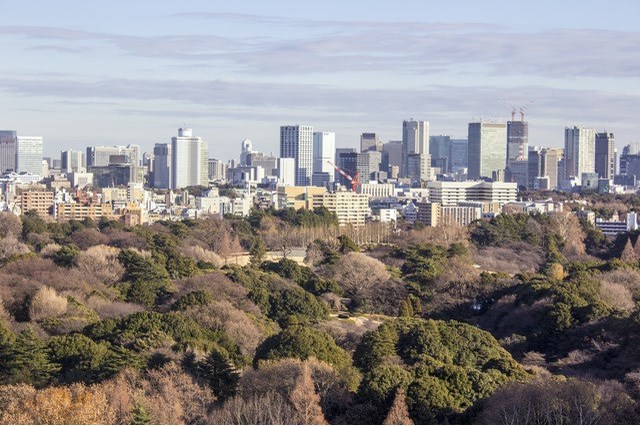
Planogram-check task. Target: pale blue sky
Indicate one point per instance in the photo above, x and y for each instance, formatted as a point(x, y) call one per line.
point(84, 73)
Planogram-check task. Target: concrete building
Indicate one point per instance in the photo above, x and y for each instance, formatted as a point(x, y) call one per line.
point(268, 162)
point(29, 154)
point(517, 141)
point(415, 140)
point(551, 165)
point(486, 151)
point(217, 170)
point(162, 178)
point(451, 193)
point(348, 161)
point(613, 228)
point(434, 214)
point(439, 149)
point(370, 142)
point(605, 155)
point(40, 201)
point(300, 197)
point(458, 155)
point(105, 156)
point(72, 161)
point(246, 149)
point(8, 141)
point(393, 151)
point(418, 168)
point(368, 164)
point(324, 153)
point(80, 211)
point(286, 171)
point(579, 151)
point(378, 190)
point(349, 207)
point(189, 160)
point(297, 142)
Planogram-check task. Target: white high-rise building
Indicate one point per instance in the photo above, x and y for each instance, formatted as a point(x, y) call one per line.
point(324, 151)
point(162, 166)
point(297, 142)
point(72, 161)
point(246, 149)
point(189, 160)
point(415, 140)
point(29, 154)
point(579, 151)
point(286, 171)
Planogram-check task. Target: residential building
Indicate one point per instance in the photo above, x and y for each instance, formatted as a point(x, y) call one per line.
point(349, 207)
point(80, 211)
point(40, 201)
point(579, 151)
point(486, 149)
point(300, 197)
point(605, 158)
point(189, 160)
point(434, 214)
point(297, 142)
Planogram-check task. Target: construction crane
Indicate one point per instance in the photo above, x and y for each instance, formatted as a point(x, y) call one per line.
point(523, 109)
point(513, 109)
point(355, 180)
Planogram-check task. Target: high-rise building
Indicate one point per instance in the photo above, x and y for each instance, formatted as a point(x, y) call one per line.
point(551, 165)
point(439, 148)
point(418, 168)
point(415, 140)
point(29, 154)
point(72, 161)
point(105, 156)
point(368, 164)
point(189, 160)
point(605, 158)
point(579, 151)
point(267, 162)
point(8, 140)
point(486, 150)
point(347, 159)
point(286, 171)
point(393, 150)
point(162, 166)
point(297, 142)
point(517, 141)
point(458, 155)
point(370, 142)
point(217, 170)
point(246, 149)
point(324, 151)
point(535, 166)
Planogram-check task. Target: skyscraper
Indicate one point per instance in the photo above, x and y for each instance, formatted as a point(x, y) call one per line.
point(297, 142)
point(458, 155)
point(551, 165)
point(29, 154)
point(486, 150)
point(189, 158)
point(393, 149)
point(162, 166)
point(605, 159)
point(517, 140)
point(439, 147)
point(71, 161)
point(8, 140)
point(324, 151)
point(415, 140)
point(370, 142)
point(579, 151)
point(246, 148)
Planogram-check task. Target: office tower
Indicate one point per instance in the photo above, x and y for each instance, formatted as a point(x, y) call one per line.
point(348, 161)
point(297, 142)
point(8, 140)
point(368, 164)
point(605, 156)
point(535, 166)
point(517, 140)
point(267, 162)
point(116, 156)
point(579, 151)
point(415, 140)
point(246, 149)
point(189, 157)
point(287, 171)
point(162, 166)
point(29, 154)
point(370, 142)
point(324, 151)
point(551, 158)
point(439, 147)
point(217, 170)
point(486, 151)
point(458, 155)
point(393, 149)
point(418, 168)
point(72, 161)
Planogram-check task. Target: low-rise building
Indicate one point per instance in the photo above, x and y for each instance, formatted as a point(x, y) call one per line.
point(451, 193)
point(300, 197)
point(434, 214)
point(40, 201)
point(349, 207)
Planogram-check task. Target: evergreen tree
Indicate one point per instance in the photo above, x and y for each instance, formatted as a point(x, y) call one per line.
point(219, 371)
point(398, 413)
point(416, 305)
point(406, 310)
point(140, 415)
point(31, 363)
point(305, 400)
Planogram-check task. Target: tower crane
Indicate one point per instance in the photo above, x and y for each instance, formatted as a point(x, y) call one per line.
point(523, 109)
point(355, 179)
point(513, 109)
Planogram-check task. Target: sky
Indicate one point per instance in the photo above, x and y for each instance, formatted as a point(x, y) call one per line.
point(85, 73)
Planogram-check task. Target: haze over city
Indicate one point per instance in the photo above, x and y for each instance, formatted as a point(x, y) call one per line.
point(133, 72)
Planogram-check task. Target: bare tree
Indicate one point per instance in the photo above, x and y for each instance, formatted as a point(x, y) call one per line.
point(358, 273)
point(305, 400)
point(398, 413)
point(266, 409)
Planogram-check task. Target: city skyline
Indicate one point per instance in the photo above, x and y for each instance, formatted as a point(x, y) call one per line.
point(121, 74)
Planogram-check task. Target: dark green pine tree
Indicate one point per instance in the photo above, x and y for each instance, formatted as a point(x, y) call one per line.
point(7, 354)
point(31, 363)
point(220, 373)
point(406, 310)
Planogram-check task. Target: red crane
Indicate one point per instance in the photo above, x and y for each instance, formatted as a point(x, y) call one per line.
point(355, 180)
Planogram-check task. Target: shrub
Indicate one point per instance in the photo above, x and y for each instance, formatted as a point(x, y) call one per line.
point(46, 303)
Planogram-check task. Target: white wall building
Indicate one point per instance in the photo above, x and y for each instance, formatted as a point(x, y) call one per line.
point(286, 171)
point(189, 160)
point(324, 151)
point(29, 154)
point(579, 151)
point(297, 142)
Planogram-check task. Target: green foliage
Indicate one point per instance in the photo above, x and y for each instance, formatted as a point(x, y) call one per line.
point(304, 342)
point(298, 303)
point(301, 275)
point(447, 365)
point(32, 223)
point(26, 360)
point(257, 251)
point(347, 244)
point(140, 415)
point(66, 256)
point(218, 371)
point(406, 310)
point(423, 265)
point(505, 228)
point(195, 298)
point(148, 281)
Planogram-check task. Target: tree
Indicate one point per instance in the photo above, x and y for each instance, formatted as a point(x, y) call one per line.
point(140, 415)
point(305, 400)
point(258, 251)
point(46, 303)
point(406, 310)
point(358, 274)
point(219, 372)
point(10, 225)
point(398, 413)
point(31, 362)
point(66, 256)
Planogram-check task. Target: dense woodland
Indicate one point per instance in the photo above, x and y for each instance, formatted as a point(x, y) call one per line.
point(529, 319)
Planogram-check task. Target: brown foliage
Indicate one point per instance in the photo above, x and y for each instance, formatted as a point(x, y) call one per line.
point(358, 273)
point(628, 278)
point(266, 409)
point(85, 238)
point(515, 258)
point(398, 413)
point(567, 226)
point(101, 262)
point(442, 235)
point(106, 309)
point(202, 255)
point(10, 246)
point(46, 303)
point(10, 225)
point(305, 400)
